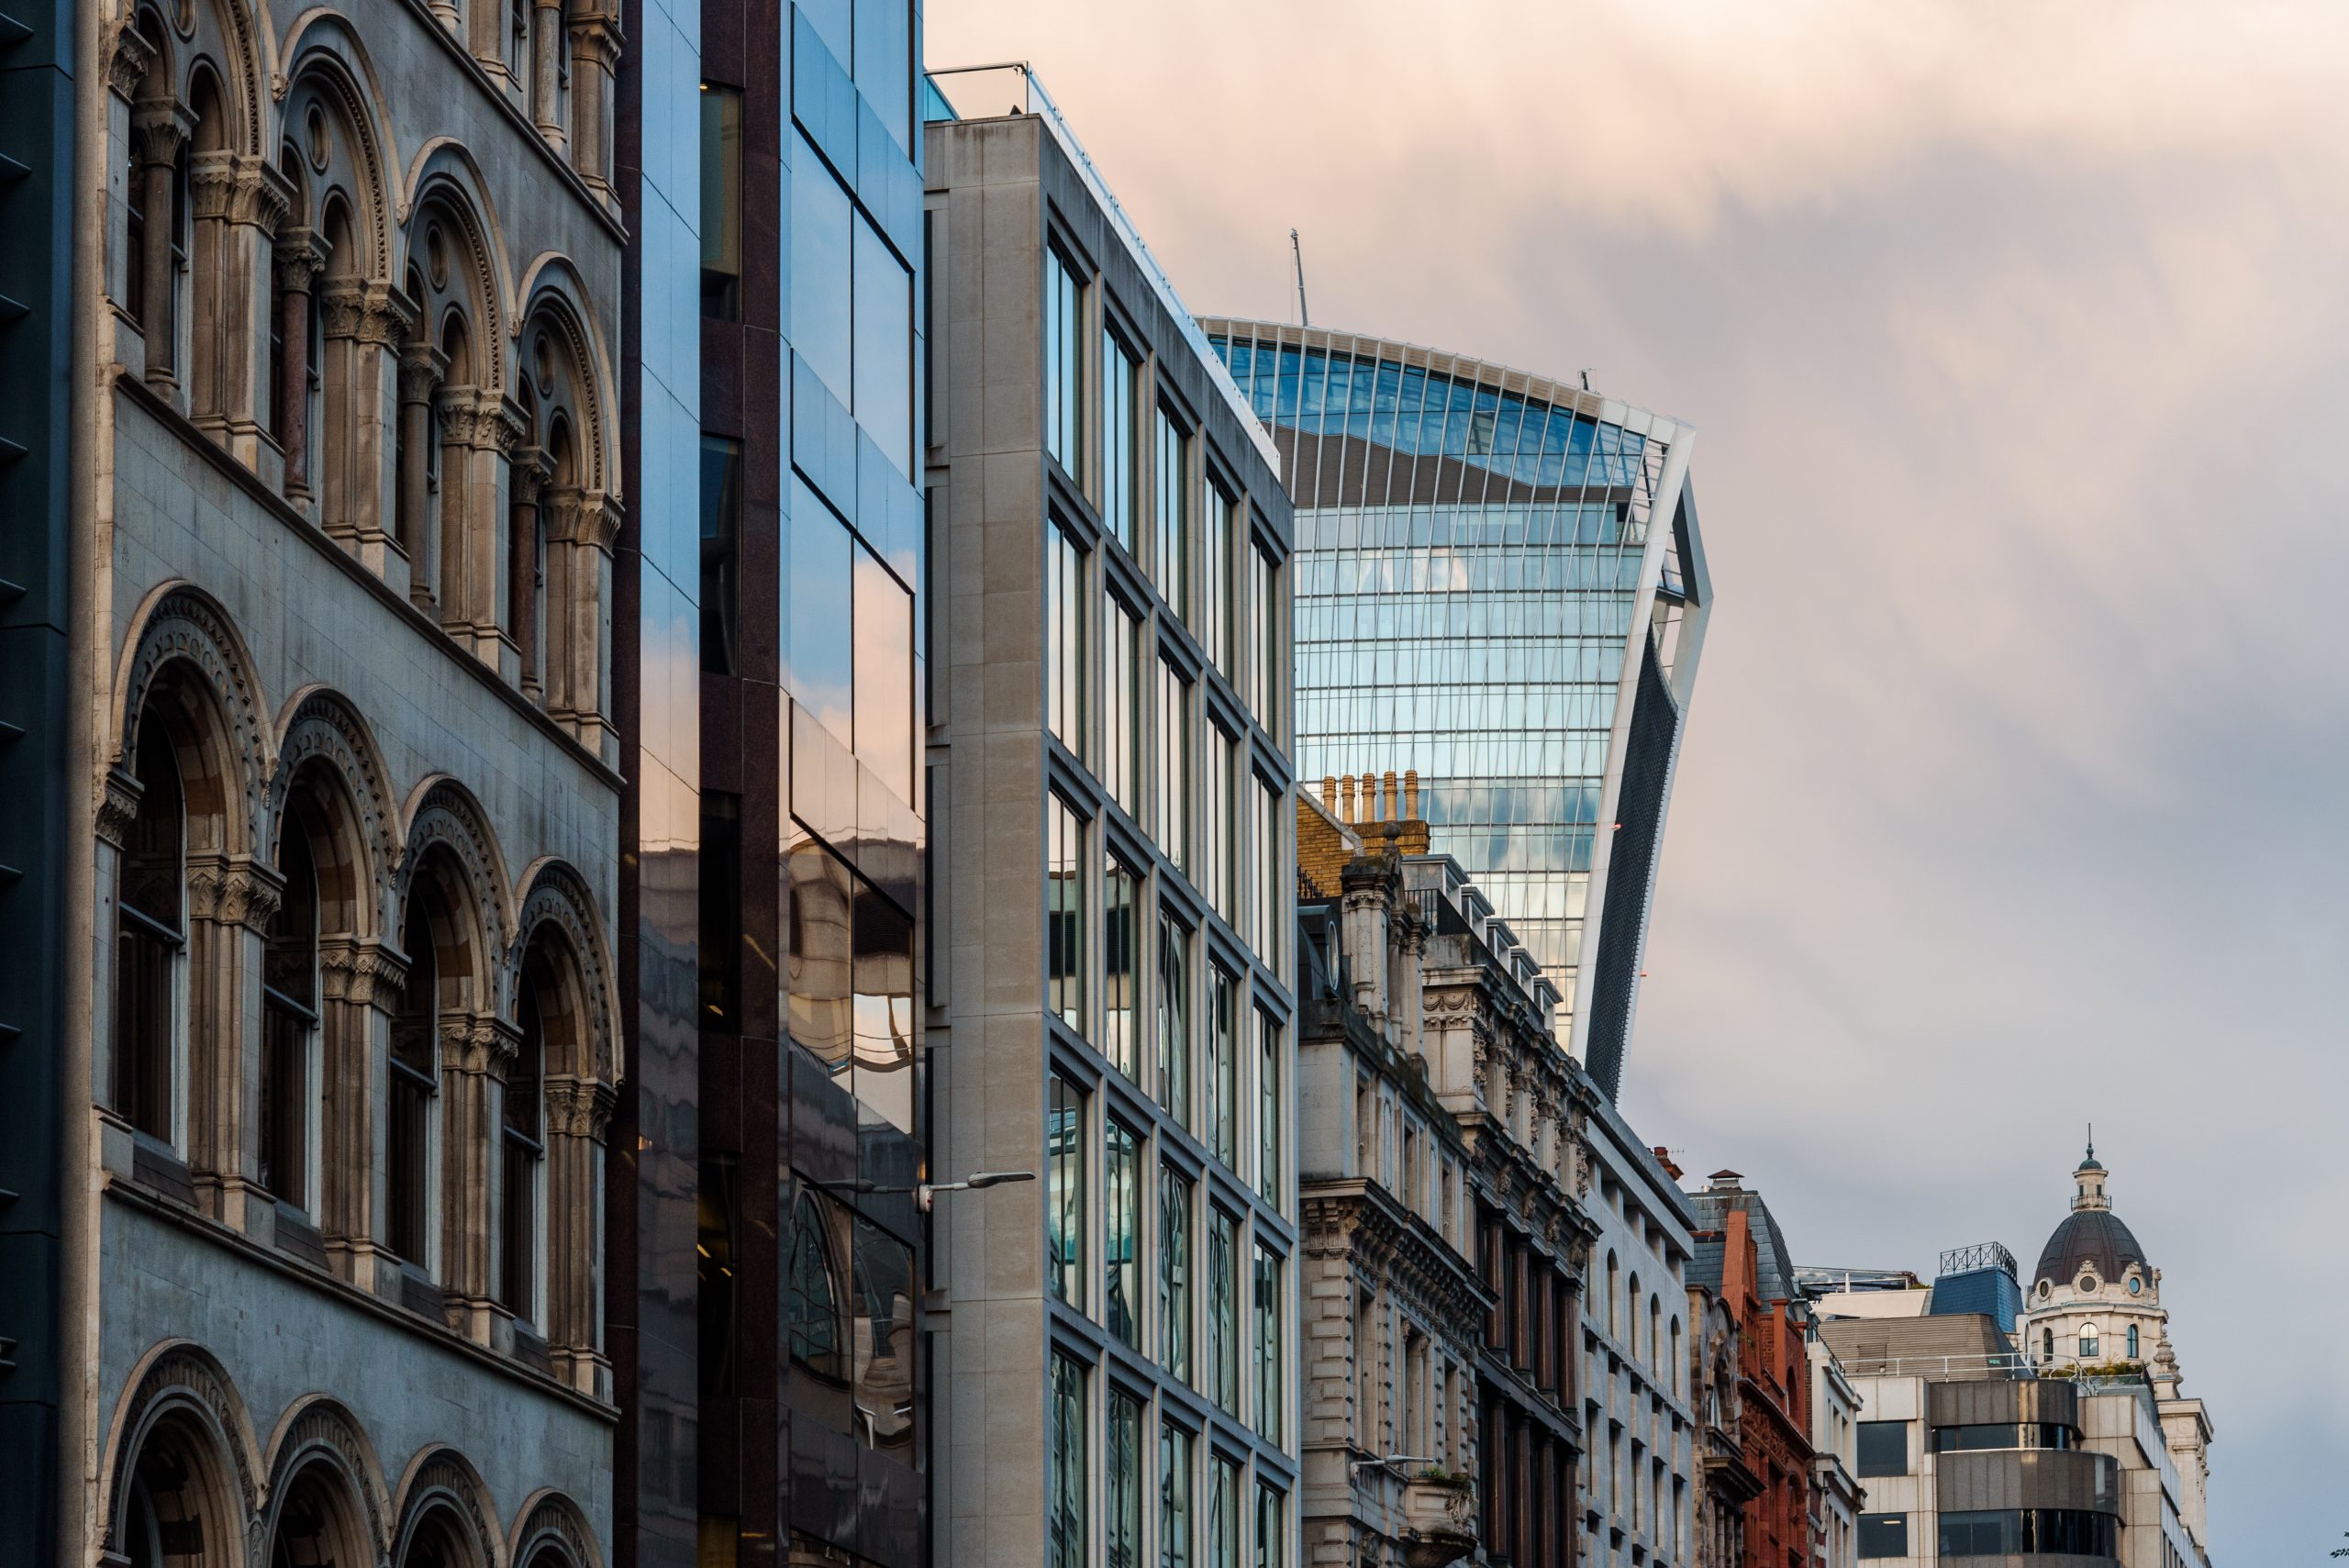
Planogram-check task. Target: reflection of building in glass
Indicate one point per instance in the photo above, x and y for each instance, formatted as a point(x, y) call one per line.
point(1110, 971)
point(1499, 578)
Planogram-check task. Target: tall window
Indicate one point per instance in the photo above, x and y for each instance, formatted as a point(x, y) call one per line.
point(1064, 652)
point(2087, 1341)
point(1063, 363)
point(1174, 1019)
point(1269, 1386)
point(1120, 371)
point(721, 202)
point(813, 1330)
point(1223, 1310)
point(1223, 1515)
point(1216, 620)
point(1174, 1518)
point(1268, 672)
point(1272, 1528)
point(289, 1021)
point(1270, 859)
point(1268, 1108)
point(1223, 824)
point(1066, 1172)
point(721, 546)
point(1173, 515)
point(1122, 1465)
point(1223, 1067)
point(523, 1150)
point(1123, 669)
point(415, 1060)
point(2133, 1341)
point(1120, 965)
point(717, 1254)
point(1065, 913)
point(1175, 1275)
point(150, 934)
point(1121, 1231)
point(1064, 1545)
point(1175, 766)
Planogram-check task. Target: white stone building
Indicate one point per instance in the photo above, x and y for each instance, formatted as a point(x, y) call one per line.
point(1834, 1437)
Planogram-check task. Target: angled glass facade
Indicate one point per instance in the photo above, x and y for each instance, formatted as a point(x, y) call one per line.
point(1499, 583)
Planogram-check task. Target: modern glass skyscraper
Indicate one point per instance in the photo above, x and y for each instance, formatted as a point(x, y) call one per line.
point(1500, 583)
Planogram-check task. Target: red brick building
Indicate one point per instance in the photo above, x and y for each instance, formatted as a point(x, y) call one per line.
point(1743, 1257)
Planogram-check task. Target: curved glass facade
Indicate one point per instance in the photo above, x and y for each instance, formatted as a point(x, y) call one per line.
point(1498, 584)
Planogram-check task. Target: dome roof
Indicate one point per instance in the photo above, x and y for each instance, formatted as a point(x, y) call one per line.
point(2092, 1236)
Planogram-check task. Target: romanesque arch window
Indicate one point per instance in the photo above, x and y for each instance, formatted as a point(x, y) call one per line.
point(151, 940)
point(290, 1023)
point(178, 1510)
point(522, 1142)
point(414, 1071)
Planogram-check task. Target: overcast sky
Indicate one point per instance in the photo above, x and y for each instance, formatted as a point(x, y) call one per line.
point(2014, 791)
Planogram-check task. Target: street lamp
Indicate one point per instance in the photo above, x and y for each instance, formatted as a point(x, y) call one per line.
point(924, 1191)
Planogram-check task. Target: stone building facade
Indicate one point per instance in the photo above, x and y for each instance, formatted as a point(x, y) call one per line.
point(1724, 1483)
point(352, 1040)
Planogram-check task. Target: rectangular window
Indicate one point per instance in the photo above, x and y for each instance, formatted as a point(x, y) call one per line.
point(721, 202)
point(721, 868)
point(1268, 1108)
point(1270, 1389)
point(1223, 1515)
point(1272, 1528)
point(1064, 912)
point(1216, 628)
point(1223, 1310)
point(1064, 362)
point(1884, 1448)
point(1984, 1532)
point(1065, 1150)
point(1122, 669)
point(1173, 515)
point(821, 268)
point(722, 547)
point(1222, 1075)
point(1065, 1534)
point(1269, 857)
point(820, 581)
point(1064, 652)
point(1175, 1275)
point(717, 1249)
point(1175, 766)
point(1267, 664)
point(883, 347)
point(1119, 370)
point(884, 674)
point(1122, 1466)
point(1222, 825)
point(1121, 1231)
point(1121, 966)
point(1174, 1523)
point(1174, 1019)
point(1884, 1535)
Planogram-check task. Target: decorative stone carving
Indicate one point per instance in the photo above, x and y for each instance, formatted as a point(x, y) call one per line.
point(119, 793)
point(130, 59)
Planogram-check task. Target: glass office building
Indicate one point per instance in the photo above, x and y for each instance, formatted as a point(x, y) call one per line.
point(1500, 584)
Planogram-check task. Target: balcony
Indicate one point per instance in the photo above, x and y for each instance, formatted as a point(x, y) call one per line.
point(1438, 1519)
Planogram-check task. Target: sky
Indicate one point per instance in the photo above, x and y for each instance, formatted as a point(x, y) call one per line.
point(2016, 340)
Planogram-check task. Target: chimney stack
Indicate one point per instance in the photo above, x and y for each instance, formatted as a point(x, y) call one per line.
point(1410, 795)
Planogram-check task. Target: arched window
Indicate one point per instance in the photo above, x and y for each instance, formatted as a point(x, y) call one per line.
point(414, 1068)
point(1675, 1358)
point(2087, 1341)
point(1631, 1318)
point(524, 1145)
point(2133, 1341)
point(150, 939)
point(1656, 1327)
point(1614, 1294)
point(289, 1000)
point(2047, 1344)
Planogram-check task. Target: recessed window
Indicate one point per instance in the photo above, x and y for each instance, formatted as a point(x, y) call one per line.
point(1065, 1536)
point(1884, 1448)
point(1065, 363)
point(1065, 658)
point(1064, 912)
point(1884, 1535)
point(1175, 1275)
point(1066, 1194)
point(1122, 1181)
point(722, 548)
point(721, 202)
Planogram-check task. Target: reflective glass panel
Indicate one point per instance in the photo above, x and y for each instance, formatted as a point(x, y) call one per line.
point(1065, 363)
point(1121, 1231)
point(1065, 1157)
point(1065, 913)
point(821, 270)
point(1175, 1275)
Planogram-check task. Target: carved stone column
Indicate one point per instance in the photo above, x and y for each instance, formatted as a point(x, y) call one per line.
point(547, 68)
point(480, 430)
point(230, 899)
point(578, 1111)
point(422, 369)
point(237, 200)
point(295, 258)
point(581, 526)
point(529, 479)
point(361, 983)
point(129, 61)
point(364, 324)
point(118, 808)
point(159, 128)
point(595, 67)
point(474, 1053)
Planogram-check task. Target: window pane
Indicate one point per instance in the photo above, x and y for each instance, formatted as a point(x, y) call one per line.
point(1174, 1019)
point(1216, 575)
point(1273, 886)
point(1266, 658)
point(1268, 1108)
point(884, 348)
point(1119, 372)
point(1884, 1448)
point(1064, 650)
point(882, 1337)
point(1120, 966)
point(1175, 766)
point(820, 246)
point(1122, 671)
point(821, 590)
point(1173, 515)
point(1884, 1535)
point(721, 535)
point(1067, 1156)
point(1123, 1463)
point(1223, 1310)
point(1223, 1067)
point(720, 868)
point(1223, 1517)
point(1064, 1545)
point(1122, 1232)
point(1065, 913)
point(1269, 1387)
point(1064, 364)
point(818, 967)
point(721, 202)
point(1272, 1529)
point(1175, 1275)
point(1222, 828)
point(884, 674)
point(883, 70)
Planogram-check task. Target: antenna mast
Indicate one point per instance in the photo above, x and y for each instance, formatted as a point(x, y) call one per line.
point(1303, 316)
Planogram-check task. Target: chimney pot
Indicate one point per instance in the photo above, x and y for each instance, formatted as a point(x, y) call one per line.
point(1330, 794)
point(1346, 799)
point(1393, 797)
point(1410, 795)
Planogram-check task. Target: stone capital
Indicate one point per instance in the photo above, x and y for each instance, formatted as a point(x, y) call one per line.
point(361, 970)
point(159, 128)
point(578, 1108)
point(296, 257)
point(596, 40)
point(130, 59)
point(422, 369)
point(243, 188)
point(532, 473)
point(117, 806)
point(233, 890)
point(360, 308)
point(477, 1045)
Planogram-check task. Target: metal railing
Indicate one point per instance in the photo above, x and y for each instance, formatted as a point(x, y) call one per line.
point(1981, 1255)
point(1979, 1364)
point(1034, 100)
